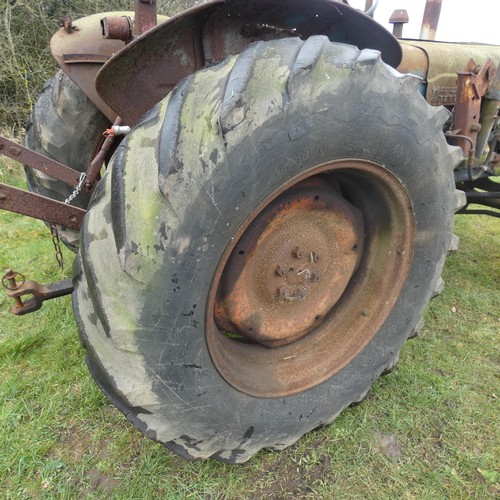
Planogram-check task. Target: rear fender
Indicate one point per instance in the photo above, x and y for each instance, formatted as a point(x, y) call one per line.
point(148, 68)
point(81, 50)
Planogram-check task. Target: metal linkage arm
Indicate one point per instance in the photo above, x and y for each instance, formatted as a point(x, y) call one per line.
point(39, 162)
point(40, 207)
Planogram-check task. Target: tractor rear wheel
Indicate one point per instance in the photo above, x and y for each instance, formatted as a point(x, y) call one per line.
point(278, 225)
point(65, 126)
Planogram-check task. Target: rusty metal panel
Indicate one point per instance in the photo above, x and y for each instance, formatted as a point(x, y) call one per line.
point(312, 214)
point(444, 60)
point(40, 207)
point(415, 61)
point(85, 37)
point(80, 49)
point(473, 82)
point(148, 68)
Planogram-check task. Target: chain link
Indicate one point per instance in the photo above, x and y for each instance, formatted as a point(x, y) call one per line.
point(57, 245)
point(77, 189)
point(53, 228)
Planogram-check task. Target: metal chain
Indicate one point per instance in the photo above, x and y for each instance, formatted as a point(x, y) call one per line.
point(53, 228)
point(77, 189)
point(57, 245)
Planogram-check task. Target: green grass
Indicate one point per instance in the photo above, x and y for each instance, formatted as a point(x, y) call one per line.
point(429, 430)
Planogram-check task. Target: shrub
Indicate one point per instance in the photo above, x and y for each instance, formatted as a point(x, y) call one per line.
point(24, 47)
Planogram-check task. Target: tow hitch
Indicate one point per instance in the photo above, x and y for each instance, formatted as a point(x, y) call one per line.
point(17, 286)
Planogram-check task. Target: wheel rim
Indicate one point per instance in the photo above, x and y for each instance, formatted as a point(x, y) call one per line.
point(309, 278)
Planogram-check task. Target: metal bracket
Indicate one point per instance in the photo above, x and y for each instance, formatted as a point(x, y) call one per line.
point(39, 293)
point(472, 85)
point(40, 207)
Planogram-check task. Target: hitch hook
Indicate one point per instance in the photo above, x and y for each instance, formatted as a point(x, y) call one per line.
point(39, 293)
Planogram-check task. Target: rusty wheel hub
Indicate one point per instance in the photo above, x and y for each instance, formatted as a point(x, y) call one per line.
point(309, 278)
point(291, 265)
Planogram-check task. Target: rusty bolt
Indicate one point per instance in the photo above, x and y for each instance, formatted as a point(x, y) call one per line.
point(283, 292)
point(398, 19)
point(10, 275)
point(292, 295)
point(475, 127)
point(9, 282)
point(299, 293)
point(14, 151)
point(297, 253)
point(281, 270)
point(67, 24)
point(314, 277)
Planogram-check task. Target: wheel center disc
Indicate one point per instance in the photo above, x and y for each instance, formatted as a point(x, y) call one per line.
point(291, 265)
point(313, 271)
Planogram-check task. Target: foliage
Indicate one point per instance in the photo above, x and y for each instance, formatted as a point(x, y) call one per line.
point(25, 32)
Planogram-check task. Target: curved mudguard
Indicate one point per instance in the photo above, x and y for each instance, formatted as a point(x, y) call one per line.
point(148, 68)
point(81, 50)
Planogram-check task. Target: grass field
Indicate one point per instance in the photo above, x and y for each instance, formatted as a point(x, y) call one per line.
point(428, 430)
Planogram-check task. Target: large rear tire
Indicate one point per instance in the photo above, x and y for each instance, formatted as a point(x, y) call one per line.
point(65, 126)
point(266, 240)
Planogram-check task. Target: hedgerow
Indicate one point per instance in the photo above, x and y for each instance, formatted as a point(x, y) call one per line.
point(26, 27)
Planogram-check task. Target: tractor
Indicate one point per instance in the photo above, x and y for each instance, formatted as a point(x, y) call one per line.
point(261, 197)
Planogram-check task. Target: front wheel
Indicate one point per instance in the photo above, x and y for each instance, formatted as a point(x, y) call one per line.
point(278, 225)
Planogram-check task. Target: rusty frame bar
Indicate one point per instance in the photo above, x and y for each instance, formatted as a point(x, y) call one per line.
point(145, 16)
point(39, 162)
point(40, 207)
point(98, 160)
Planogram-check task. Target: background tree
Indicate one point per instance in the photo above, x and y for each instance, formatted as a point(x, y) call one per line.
point(25, 32)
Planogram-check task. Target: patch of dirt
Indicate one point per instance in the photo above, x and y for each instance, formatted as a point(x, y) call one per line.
point(73, 443)
point(100, 481)
point(388, 445)
point(284, 478)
